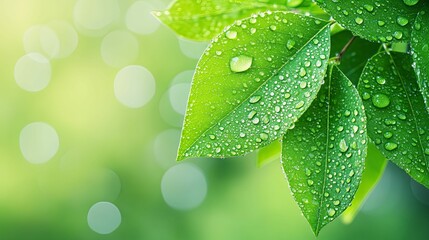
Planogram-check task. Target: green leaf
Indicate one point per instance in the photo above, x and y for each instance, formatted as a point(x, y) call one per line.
point(420, 46)
point(397, 117)
point(253, 82)
point(203, 20)
point(356, 56)
point(375, 165)
point(269, 153)
point(382, 21)
point(323, 156)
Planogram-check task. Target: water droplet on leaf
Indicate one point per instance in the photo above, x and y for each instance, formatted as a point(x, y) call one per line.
point(241, 63)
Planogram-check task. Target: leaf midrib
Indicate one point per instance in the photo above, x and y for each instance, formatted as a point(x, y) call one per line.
point(263, 84)
point(326, 153)
point(412, 111)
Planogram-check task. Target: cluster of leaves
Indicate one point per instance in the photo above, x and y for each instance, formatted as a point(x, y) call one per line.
point(320, 79)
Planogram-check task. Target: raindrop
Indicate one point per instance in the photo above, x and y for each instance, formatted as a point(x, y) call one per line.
point(290, 44)
point(343, 145)
point(366, 96)
point(263, 136)
point(331, 212)
point(240, 63)
point(388, 135)
point(411, 2)
point(381, 80)
point(368, 7)
point(402, 21)
point(380, 100)
point(254, 99)
point(390, 146)
point(300, 104)
point(397, 34)
point(359, 20)
point(302, 72)
point(231, 34)
point(381, 23)
point(251, 114)
point(310, 182)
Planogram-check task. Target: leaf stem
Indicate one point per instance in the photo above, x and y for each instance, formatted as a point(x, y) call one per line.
point(344, 50)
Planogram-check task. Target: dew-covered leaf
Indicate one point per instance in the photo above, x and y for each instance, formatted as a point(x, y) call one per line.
point(382, 21)
point(356, 55)
point(420, 46)
point(323, 156)
point(269, 153)
point(253, 82)
point(397, 117)
point(203, 20)
point(375, 163)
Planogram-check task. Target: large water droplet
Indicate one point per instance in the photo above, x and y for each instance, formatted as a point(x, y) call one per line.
point(388, 135)
point(302, 72)
point(381, 80)
point(380, 23)
point(368, 7)
point(402, 21)
point(254, 99)
point(231, 34)
point(263, 136)
point(290, 44)
point(390, 146)
point(397, 35)
point(359, 20)
point(380, 100)
point(343, 145)
point(331, 212)
point(411, 2)
point(240, 63)
point(300, 104)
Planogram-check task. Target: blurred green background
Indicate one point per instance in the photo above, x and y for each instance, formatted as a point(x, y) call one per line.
point(92, 97)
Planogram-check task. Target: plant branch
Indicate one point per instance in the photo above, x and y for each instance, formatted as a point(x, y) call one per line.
point(344, 50)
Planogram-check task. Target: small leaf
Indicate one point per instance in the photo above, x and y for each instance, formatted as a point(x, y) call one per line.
point(269, 153)
point(420, 46)
point(253, 83)
point(381, 21)
point(323, 156)
point(375, 165)
point(203, 20)
point(356, 56)
point(397, 117)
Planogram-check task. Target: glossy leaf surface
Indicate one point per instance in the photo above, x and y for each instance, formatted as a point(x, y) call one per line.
point(203, 20)
point(253, 82)
point(323, 156)
point(420, 46)
point(397, 117)
point(381, 21)
point(375, 164)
